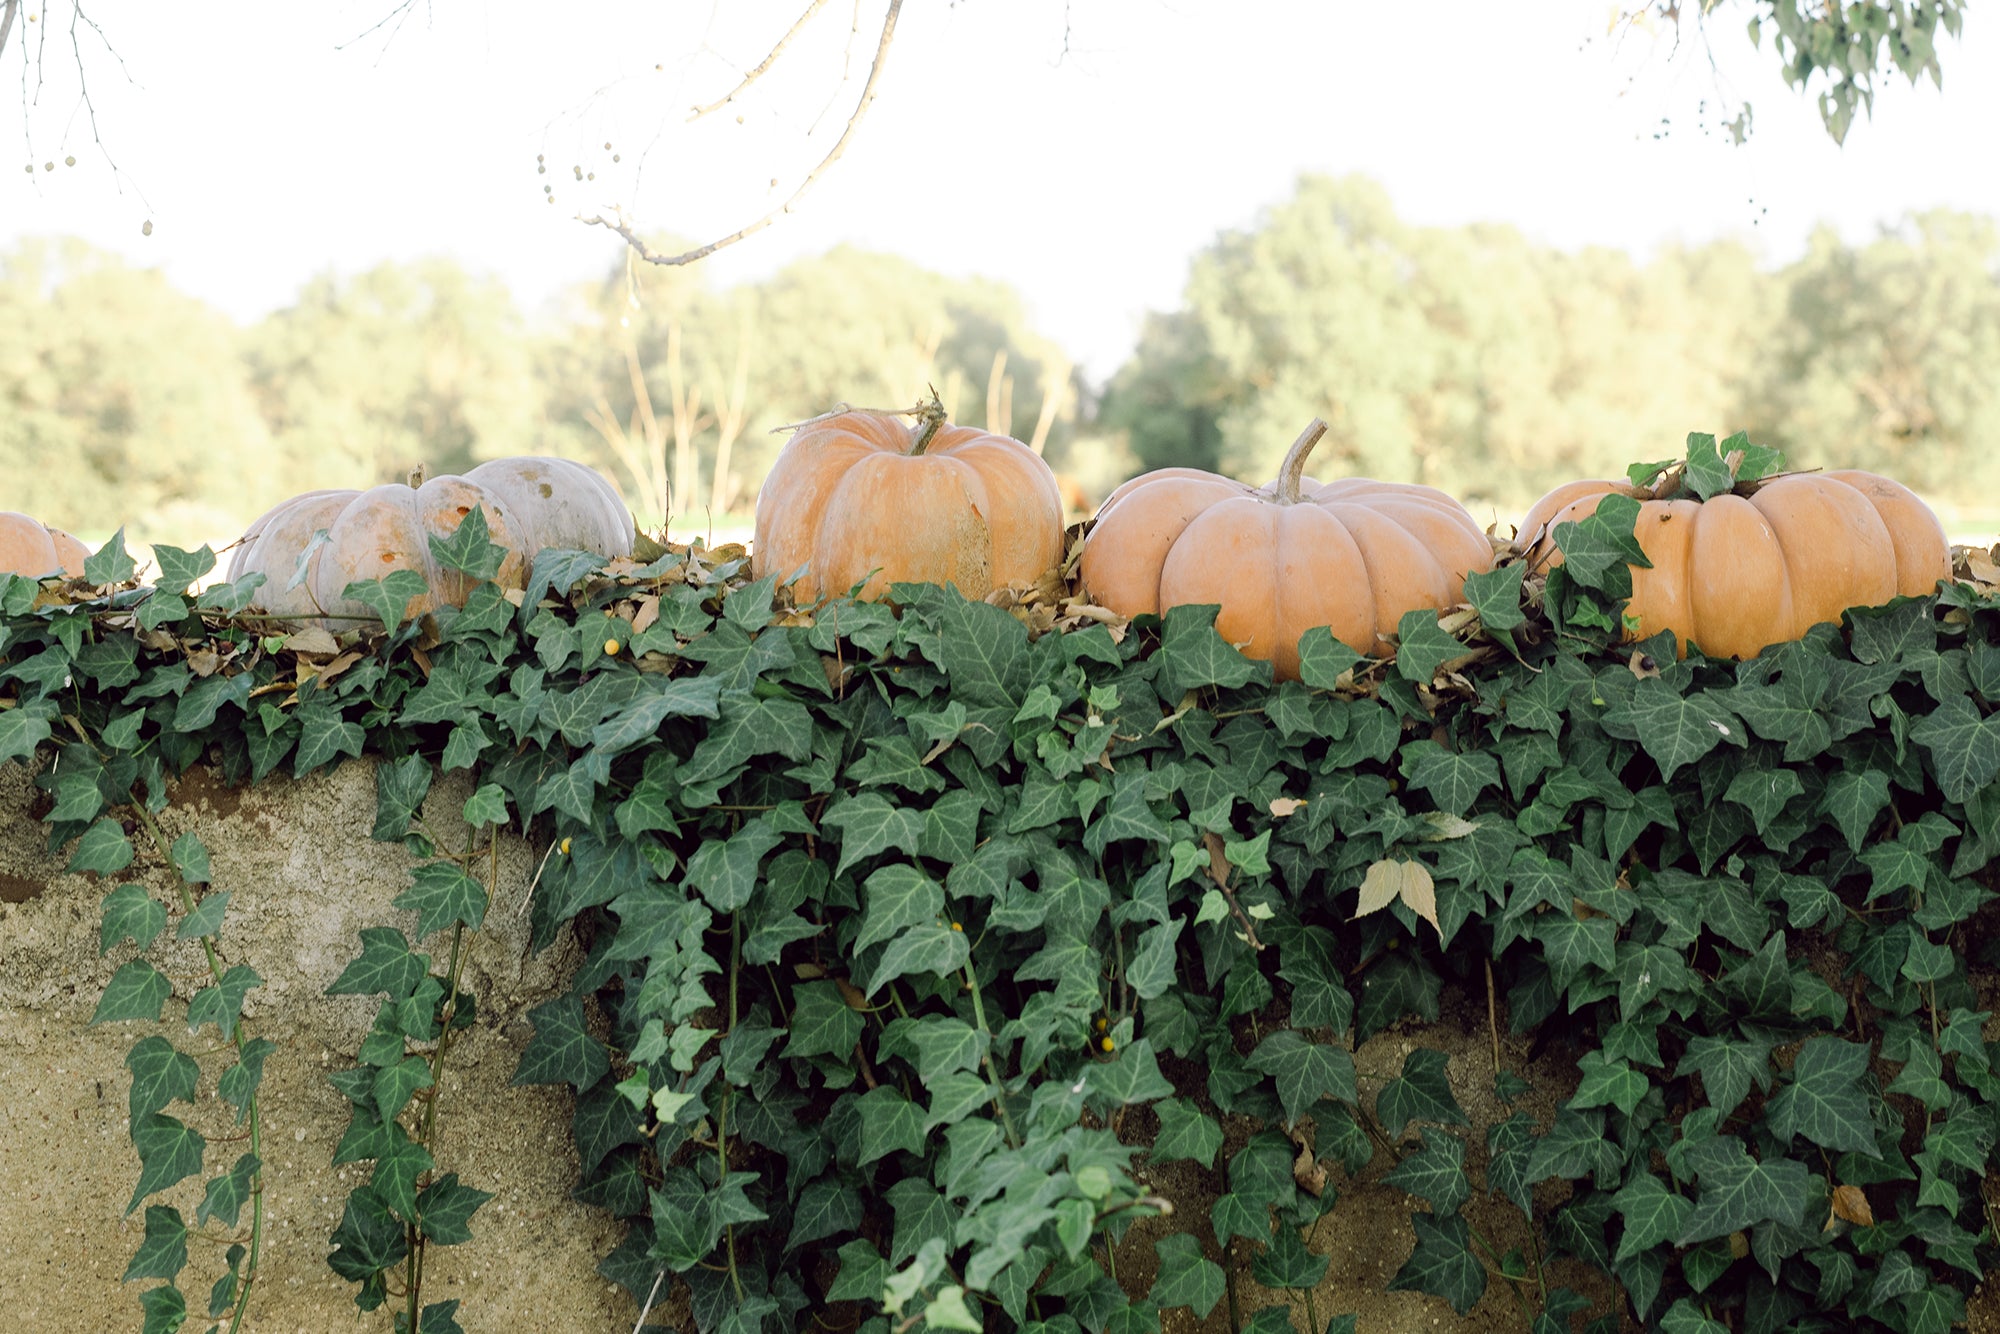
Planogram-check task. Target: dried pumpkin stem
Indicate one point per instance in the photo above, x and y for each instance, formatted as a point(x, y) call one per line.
point(930, 416)
point(1293, 470)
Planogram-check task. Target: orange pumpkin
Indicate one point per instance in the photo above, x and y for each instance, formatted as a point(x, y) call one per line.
point(530, 503)
point(1282, 559)
point(30, 547)
point(1761, 565)
point(857, 496)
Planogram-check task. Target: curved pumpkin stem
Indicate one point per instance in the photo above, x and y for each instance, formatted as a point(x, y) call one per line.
point(930, 416)
point(1293, 470)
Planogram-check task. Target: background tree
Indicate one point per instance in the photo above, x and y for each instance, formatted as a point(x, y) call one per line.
point(363, 378)
point(121, 399)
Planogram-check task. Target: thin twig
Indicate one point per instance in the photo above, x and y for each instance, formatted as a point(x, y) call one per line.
point(769, 61)
point(618, 224)
point(647, 1309)
point(7, 12)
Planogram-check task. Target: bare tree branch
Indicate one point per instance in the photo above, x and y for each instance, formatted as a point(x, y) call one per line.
point(7, 12)
point(618, 224)
point(769, 61)
point(400, 14)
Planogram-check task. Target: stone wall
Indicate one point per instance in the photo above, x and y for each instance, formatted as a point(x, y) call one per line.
point(304, 877)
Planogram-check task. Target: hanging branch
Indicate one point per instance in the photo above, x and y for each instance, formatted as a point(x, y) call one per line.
point(769, 61)
point(618, 224)
point(7, 11)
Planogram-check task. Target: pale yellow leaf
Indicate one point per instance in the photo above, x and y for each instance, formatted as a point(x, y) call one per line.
point(1387, 881)
point(1283, 806)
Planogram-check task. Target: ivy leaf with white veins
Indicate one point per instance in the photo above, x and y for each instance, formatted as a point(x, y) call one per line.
point(1387, 881)
point(1186, 1276)
point(1305, 1071)
point(1738, 1191)
point(1436, 1172)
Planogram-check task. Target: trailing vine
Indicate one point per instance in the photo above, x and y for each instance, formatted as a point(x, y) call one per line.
point(917, 941)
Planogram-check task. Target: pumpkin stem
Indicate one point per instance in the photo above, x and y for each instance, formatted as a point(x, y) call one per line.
point(930, 416)
point(417, 475)
point(1292, 471)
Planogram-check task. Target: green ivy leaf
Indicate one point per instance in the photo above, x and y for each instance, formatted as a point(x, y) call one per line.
point(103, 849)
point(1454, 779)
point(1192, 655)
point(1286, 1263)
point(1421, 1093)
point(180, 568)
point(1185, 1132)
point(130, 913)
point(111, 563)
point(931, 949)
point(1608, 1083)
point(1652, 1213)
point(822, 1024)
point(889, 1122)
point(1132, 1076)
point(894, 899)
point(165, 1309)
point(1496, 596)
point(863, 1272)
point(162, 1252)
point(1323, 659)
point(221, 1003)
point(388, 597)
point(206, 919)
point(1442, 1263)
point(1738, 1191)
point(1423, 646)
point(1964, 747)
point(238, 1084)
point(470, 549)
point(224, 1197)
point(562, 1050)
point(442, 894)
point(1185, 1276)
point(169, 1152)
point(445, 1209)
point(1435, 1173)
point(136, 991)
point(1675, 729)
point(386, 964)
point(1305, 1071)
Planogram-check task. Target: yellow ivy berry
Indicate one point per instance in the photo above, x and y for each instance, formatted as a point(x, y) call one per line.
point(610, 648)
point(1107, 1044)
point(565, 847)
point(957, 926)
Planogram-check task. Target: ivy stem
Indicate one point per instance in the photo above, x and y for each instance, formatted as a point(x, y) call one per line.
point(1312, 1311)
point(447, 1016)
point(252, 1107)
point(992, 1071)
point(722, 1118)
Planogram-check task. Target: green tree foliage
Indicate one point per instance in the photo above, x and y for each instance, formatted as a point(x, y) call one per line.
point(1472, 359)
point(1885, 358)
point(848, 326)
point(1833, 51)
point(1468, 358)
point(118, 394)
point(365, 377)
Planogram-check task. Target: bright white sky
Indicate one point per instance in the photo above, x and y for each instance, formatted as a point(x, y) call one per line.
point(263, 153)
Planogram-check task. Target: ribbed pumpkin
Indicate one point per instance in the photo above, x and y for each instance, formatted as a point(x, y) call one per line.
point(30, 547)
point(1760, 565)
point(870, 496)
point(530, 503)
point(1282, 559)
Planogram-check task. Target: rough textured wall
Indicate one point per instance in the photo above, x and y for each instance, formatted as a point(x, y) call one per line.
point(304, 878)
